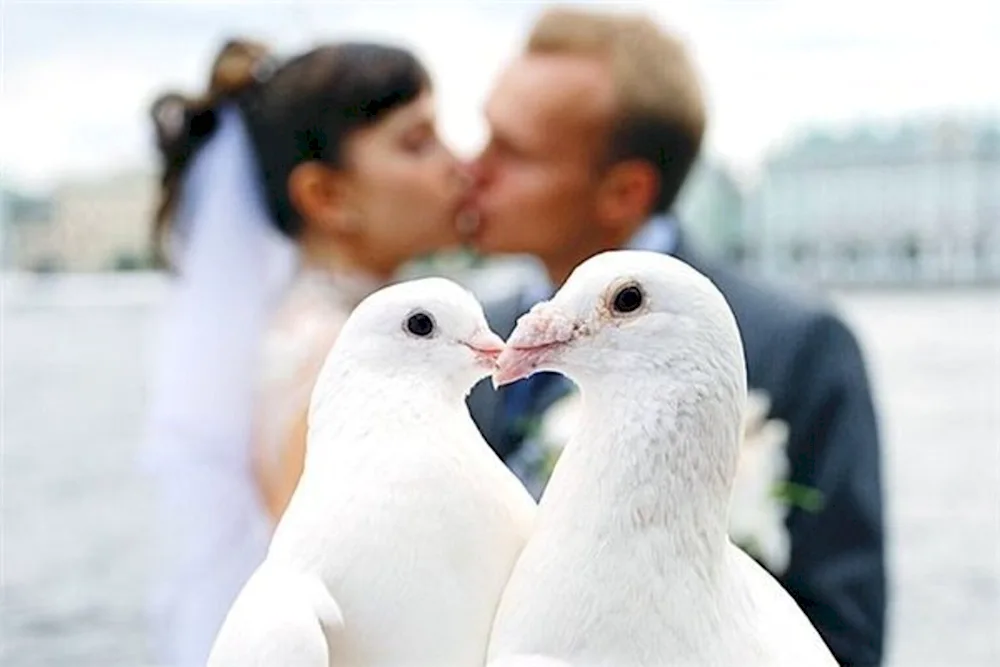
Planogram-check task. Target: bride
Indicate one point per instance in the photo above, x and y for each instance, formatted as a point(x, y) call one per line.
point(290, 191)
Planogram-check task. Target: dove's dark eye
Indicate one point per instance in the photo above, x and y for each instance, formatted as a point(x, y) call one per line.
point(627, 299)
point(420, 324)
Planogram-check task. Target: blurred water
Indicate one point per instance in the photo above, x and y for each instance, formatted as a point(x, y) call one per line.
point(75, 551)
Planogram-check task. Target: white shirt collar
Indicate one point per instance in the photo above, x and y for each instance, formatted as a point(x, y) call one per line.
point(658, 234)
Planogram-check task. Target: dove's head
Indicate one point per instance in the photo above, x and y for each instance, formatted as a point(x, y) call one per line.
point(631, 315)
point(431, 330)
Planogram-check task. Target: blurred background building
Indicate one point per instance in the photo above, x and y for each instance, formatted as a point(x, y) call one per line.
point(913, 202)
point(83, 226)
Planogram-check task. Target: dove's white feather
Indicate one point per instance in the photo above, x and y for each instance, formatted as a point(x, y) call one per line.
point(529, 661)
point(630, 562)
point(282, 617)
point(756, 514)
point(403, 513)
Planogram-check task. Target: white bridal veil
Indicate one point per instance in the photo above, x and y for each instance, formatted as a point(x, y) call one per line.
point(232, 266)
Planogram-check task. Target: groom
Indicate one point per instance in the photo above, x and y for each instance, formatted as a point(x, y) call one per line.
point(594, 129)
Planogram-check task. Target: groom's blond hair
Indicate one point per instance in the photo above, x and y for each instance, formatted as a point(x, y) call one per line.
point(660, 113)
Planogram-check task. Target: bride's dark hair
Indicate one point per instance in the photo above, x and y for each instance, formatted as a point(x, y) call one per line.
point(298, 110)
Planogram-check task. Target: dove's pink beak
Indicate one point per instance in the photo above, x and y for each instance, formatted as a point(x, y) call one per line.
point(487, 347)
point(535, 341)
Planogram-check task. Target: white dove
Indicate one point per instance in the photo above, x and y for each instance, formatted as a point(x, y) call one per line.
point(629, 562)
point(405, 525)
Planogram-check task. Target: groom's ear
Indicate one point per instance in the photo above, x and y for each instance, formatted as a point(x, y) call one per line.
point(627, 193)
point(318, 194)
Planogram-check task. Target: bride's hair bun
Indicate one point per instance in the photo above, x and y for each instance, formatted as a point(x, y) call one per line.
point(183, 123)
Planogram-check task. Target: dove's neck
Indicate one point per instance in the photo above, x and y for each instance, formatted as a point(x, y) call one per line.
point(382, 410)
point(659, 461)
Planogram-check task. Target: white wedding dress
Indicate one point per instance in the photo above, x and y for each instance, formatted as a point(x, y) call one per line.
point(296, 343)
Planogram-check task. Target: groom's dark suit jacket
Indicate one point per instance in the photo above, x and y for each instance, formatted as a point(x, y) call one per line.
point(809, 363)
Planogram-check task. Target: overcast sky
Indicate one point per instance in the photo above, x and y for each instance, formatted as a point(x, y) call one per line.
point(77, 77)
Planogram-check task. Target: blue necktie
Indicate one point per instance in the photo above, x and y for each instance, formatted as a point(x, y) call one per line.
point(524, 402)
point(527, 399)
